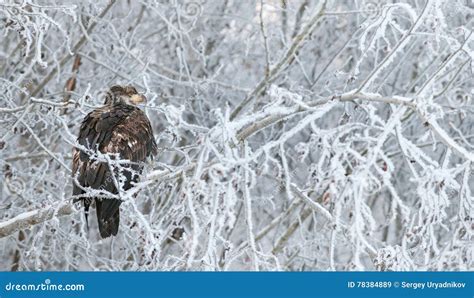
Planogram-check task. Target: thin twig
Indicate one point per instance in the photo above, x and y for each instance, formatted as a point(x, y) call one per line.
point(285, 60)
point(76, 48)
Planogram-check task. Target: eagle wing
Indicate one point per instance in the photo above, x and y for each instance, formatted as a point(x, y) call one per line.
point(123, 130)
point(132, 138)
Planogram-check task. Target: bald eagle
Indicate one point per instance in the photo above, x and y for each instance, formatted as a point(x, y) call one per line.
point(123, 132)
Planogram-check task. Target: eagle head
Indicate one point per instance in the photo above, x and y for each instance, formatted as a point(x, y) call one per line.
point(124, 94)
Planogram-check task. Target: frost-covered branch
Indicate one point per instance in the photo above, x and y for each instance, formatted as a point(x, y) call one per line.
point(287, 58)
point(292, 135)
point(30, 218)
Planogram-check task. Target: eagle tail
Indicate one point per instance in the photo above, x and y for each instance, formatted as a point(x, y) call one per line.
point(108, 216)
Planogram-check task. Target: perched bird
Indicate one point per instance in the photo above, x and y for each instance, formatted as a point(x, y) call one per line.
point(123, 132)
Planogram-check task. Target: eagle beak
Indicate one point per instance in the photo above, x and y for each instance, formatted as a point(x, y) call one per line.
point(138, 98)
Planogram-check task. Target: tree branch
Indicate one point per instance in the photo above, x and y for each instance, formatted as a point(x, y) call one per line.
point(76, 48)
point(30, 218)
point(287, 59)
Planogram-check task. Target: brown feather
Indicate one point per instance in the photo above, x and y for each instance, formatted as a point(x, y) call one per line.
point(116, 129)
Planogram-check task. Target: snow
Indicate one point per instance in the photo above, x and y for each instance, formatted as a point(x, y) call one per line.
point(353, 152)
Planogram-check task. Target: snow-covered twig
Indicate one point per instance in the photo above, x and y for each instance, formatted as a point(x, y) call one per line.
point(30, 218)
point(285, 60)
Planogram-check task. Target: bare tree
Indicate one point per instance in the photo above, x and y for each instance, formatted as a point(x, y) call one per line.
point(293, 135)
